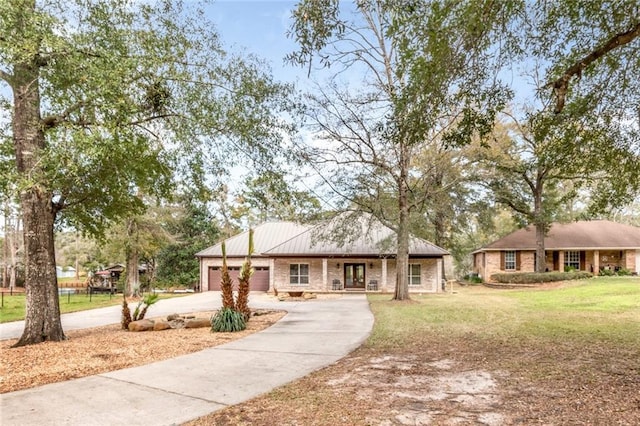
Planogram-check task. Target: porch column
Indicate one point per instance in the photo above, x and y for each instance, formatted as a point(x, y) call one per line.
point(561, 260)
point(596, 262)
point(325, 274)
point(383, 277)
point(438, 275)
point(272, 275)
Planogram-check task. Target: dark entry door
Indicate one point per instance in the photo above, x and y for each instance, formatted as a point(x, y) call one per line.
point(354, 275)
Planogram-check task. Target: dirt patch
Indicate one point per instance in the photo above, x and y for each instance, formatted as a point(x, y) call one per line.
point(457, 382)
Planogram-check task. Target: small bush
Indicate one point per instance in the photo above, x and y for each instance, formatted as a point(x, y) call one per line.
point(473, 278)
point(537, 277)
point(623, 272)
point(228, 320)
point(606, 272)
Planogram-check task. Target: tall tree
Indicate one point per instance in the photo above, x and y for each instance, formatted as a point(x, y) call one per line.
point(421, 76)
point(99, 87)
point(271, 196)
point(581, 131)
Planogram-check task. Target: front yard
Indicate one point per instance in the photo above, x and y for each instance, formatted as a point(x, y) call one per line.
point(567, 353)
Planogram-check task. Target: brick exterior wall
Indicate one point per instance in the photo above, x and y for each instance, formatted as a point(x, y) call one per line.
point(430, 274)
point(593, 260)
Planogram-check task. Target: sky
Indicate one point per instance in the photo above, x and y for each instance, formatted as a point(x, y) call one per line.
point(258, 27)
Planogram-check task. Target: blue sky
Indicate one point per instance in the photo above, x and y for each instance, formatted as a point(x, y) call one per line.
point(258, 27)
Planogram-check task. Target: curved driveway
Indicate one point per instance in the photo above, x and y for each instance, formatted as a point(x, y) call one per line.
point(314, 334)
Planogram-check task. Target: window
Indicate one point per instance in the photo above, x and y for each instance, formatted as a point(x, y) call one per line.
point(572, 260)
point(299, 273)
point(509, 260)
point(414, 274)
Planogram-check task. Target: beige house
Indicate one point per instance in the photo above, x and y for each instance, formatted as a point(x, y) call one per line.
point(590, 246)
point(292, 257)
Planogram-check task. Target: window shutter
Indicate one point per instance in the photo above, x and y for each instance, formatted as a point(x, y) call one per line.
point(583, 260)
point(517, 260)
point(502, 261)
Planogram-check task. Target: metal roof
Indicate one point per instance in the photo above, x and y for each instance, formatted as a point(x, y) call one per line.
point(595, 234)
point(265, 236)
point(274, 239)
point(370, 238)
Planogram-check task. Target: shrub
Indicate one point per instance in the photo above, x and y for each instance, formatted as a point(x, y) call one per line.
point(623, 272)
point(473, 278)
point(539, 277)
point(228, 320)
point(606, 273)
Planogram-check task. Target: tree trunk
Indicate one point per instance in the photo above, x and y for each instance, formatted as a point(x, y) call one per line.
point(42, 320)
point(133, 276)
point(402, 255)
point(5, 247)
point(541, 229)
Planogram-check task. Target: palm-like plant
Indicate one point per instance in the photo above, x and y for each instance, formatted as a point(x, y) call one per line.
point(242, 304)
point(226, 285)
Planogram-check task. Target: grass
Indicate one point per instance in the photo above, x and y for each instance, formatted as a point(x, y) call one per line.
point(13, 307)
point(602, 309)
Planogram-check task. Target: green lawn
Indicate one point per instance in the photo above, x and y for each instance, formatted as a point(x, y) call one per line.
point(601, 309)
point(13, 308)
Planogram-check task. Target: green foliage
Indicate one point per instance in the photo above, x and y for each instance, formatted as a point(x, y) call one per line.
point(193, 231)
point(473, 278)
point(116, 80)
point(228, 320)
point(539, 277)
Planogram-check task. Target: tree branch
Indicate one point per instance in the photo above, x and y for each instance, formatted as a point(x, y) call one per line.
point(52, 121)
point(6, 76)
point(561, 85)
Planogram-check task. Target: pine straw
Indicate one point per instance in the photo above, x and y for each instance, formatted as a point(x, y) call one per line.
point(102, 349)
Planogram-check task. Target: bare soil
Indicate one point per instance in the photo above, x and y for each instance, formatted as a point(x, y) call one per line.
point(466, 381)
point(101, 349)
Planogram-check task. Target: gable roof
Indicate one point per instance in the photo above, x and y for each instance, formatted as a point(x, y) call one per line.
point(594, 234)
point(373, 239)
point(274, 239)
point(265, 236)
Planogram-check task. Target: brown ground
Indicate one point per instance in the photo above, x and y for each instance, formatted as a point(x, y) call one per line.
point(101, 349)
point(455, 383)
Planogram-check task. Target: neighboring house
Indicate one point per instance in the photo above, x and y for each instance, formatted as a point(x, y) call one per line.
point(111, 274)
point(293, 257)
point(590, 246)
point(67, 272)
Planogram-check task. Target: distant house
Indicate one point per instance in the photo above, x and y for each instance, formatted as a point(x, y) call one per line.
point(65, 272)
point(293, 257)
point(590, 246)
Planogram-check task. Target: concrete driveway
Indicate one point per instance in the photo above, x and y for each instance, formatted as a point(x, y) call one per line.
point(314, 334)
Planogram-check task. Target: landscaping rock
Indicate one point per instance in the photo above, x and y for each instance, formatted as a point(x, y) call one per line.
point(142, 325)
point(161, 325)
point(177, 323)
point(173, 317)
point(197, 323)
point(308, 296)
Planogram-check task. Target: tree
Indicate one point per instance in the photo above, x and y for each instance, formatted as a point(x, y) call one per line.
point(424, 80)
point(98, 89)
point(270, 196)
point(193, 228)
point(578, 135)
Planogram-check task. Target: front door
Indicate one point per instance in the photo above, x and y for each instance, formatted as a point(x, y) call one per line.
point(354, 275)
